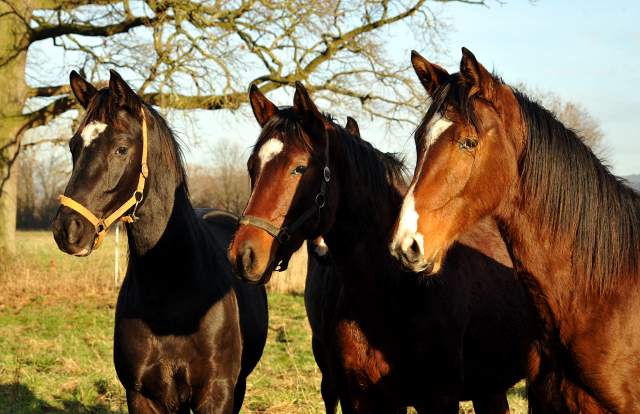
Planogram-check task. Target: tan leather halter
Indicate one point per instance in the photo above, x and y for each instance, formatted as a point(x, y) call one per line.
point(102, 225)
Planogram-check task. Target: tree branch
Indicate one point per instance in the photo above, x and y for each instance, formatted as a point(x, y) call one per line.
point(49, 31)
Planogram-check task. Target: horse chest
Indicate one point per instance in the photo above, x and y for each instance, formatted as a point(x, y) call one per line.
point(171, 367)
point(367, 363)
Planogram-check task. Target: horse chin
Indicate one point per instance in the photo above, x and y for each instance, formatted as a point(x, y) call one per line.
point(82, 253)
point(423, 266)
point(73, 249)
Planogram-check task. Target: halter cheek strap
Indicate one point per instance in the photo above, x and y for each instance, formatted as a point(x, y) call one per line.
point(283, 234)
point(102, 225)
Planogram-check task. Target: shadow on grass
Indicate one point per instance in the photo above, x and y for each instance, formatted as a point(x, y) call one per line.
point(17, 398)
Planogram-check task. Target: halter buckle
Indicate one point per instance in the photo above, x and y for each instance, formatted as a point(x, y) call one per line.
point(135, 207)
point(283, 236)
point(100, 226)
point(327, 174)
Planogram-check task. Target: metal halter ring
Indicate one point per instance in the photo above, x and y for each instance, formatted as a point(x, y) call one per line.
point(323, 200)
point(100, 226)
point(284, 236)
point(135, 207)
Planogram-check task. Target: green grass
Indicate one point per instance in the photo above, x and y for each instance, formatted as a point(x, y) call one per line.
point(56, 339)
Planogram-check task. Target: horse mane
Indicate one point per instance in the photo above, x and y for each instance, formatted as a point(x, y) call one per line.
point(378, 169)
point(577, 196)
point(105, 109)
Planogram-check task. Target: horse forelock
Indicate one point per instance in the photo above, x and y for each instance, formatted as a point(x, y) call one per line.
point(575, 196)
point(452, 95)
point(104, 109)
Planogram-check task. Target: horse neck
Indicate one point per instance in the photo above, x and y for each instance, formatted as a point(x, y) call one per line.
point(358, 238)
point(547, 258)
point(165, 241)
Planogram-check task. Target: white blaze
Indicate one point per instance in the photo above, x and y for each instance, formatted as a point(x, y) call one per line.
point(408, 225)
point(408, 219)
point(92, 131)
point(435, 128)
point(269, 150)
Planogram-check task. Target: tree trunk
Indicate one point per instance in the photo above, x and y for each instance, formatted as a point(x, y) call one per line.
point(15, 16)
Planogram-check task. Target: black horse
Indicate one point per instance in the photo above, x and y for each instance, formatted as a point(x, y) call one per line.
point(187, 331)
point(321, 293)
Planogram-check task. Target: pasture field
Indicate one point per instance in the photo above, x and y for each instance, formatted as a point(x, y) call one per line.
point(56, 333)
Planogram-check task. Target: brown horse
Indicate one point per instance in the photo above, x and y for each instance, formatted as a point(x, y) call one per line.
point(310, 177)
point(187, 332)
point(572, 228)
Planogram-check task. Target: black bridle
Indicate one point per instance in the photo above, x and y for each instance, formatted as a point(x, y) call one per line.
point(283, 234)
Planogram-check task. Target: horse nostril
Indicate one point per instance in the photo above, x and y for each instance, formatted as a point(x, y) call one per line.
point(74, 232)
point(411, 249)
point(248, 260)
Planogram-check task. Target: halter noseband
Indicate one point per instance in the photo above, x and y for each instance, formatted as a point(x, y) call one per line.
point(283, 234)
point(102, 225)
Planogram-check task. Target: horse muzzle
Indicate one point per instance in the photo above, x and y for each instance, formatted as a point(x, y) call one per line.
point(252, 256)
point(409, 257)
point(73, 234)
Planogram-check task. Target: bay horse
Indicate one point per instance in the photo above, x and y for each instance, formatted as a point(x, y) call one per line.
point(311, 178)
point(187, 332)
point(572, 229)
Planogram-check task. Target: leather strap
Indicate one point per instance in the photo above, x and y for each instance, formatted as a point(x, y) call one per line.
point(102, 225)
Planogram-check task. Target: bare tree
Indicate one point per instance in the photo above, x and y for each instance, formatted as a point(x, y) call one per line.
point(45, 166)
point(223, 182)
point(189, 54)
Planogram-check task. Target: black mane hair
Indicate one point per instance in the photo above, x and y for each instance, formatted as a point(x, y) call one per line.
point(377, 168)
point(578, 197)
point(105, 109)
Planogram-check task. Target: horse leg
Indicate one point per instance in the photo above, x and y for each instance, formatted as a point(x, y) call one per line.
point(218, 397)
point(327, 385)
point(492, 404)
point(139, 404)
point(341, 382)
point(450, 407)
point(534, 403)
point(238, 393)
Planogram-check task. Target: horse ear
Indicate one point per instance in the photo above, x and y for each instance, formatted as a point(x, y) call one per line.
point(308, 115)
point(352, 127)
point(121, 91)
point(476, 77)
point(82, 90)
point(263, 109)
point(431, 75)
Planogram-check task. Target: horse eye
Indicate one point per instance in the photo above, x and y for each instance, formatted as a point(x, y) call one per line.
point(468, 144)
point(121, 150)
point(300, 169)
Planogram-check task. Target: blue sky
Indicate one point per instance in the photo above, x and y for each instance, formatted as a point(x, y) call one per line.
point(585, 51)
